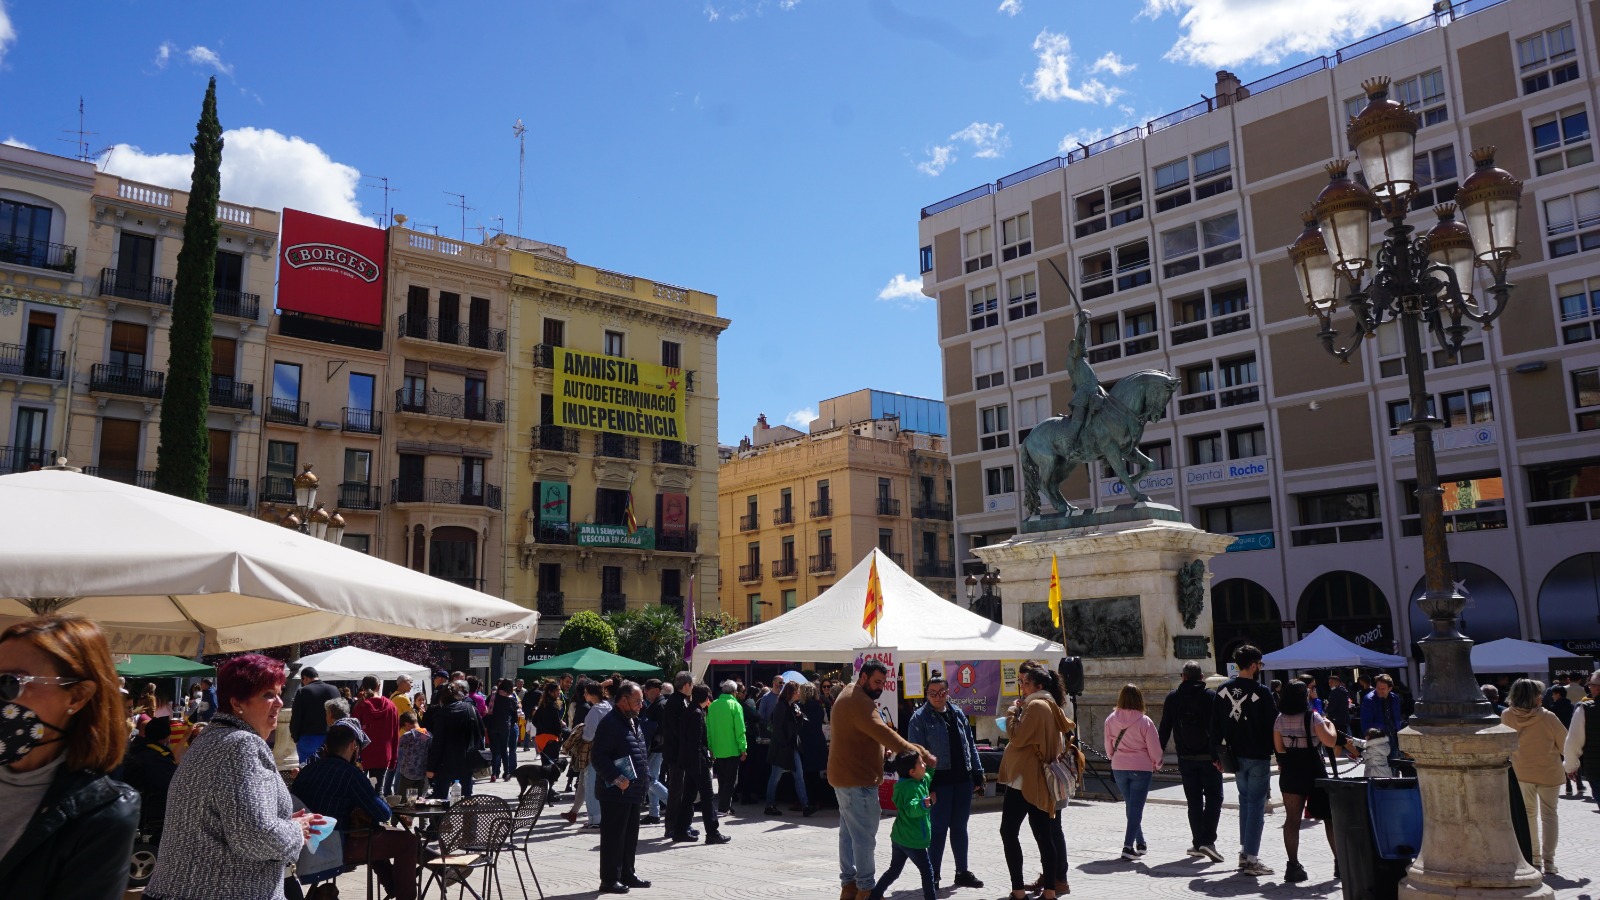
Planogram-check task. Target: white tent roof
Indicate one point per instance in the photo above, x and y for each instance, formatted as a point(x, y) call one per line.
point(918, 623)
point(1322, 649)
point(1512, 655)
point(354, 663)
point(161, 574)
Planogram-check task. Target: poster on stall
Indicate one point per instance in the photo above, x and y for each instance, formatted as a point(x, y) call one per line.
point(974, 686)
point(1008, 674)
point(911, 682)
point(889, 702)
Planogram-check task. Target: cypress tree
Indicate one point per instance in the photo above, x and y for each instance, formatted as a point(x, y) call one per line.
point(183, 459)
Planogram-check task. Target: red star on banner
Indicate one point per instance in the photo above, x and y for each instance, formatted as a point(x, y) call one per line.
point(672, 384)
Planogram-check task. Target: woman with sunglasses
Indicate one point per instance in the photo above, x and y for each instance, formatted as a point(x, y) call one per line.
point(66, 830)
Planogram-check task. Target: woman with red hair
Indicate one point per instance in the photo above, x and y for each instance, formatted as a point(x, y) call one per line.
point(65, 828)
point(231, 825)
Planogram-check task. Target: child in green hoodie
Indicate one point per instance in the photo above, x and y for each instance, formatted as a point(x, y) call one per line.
point(912, 832)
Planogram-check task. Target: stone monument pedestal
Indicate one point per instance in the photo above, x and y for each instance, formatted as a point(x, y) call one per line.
point(1119, 575)
point(1467, 852)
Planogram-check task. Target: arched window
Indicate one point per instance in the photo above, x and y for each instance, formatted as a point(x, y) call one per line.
point(1490, 614)
point(1351, 606)
point(1242, 612)
point(1569, 601)
point(453, 555)
point(419, 549)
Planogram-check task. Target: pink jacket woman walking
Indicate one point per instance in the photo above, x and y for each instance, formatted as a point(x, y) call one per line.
point(1134, 747)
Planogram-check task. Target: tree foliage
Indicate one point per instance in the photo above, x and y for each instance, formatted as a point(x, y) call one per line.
point(183, 458)
point(586, 629)
point(653, 634)
point(717, 624)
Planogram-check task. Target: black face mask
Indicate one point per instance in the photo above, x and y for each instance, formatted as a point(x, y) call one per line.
point(21, 732)
point(874, 694)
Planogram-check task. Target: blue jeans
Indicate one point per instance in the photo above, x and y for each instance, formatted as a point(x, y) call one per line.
point(591, 802)
point(1135, 787)
point(658, 791)
point(503, 744)
point(858, 834)
point(308, 745)
point(897, 861)
point(1254, 780)
point(949, 816)
point(799, 782)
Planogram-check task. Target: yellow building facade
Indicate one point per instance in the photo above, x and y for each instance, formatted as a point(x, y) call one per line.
point(611, 412)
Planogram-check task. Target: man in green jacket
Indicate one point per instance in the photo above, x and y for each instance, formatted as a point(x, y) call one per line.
point(725, 733)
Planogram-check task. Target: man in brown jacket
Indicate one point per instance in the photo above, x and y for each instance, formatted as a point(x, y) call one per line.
point(855, 769)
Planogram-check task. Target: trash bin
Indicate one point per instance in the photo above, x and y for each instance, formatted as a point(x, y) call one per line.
point(1364, 873)
point(1396, 808)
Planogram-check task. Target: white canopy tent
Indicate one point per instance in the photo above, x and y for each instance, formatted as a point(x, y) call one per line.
point(918, 623)
point(354, 663)
point(1322, 649)
point(161, 574)
point(1512, 655)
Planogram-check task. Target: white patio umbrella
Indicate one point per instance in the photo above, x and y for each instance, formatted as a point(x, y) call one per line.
point(165, 575)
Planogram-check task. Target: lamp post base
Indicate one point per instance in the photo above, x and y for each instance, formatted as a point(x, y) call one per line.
point(1466, 802)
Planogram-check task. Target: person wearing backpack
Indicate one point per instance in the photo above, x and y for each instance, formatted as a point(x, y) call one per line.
point(1186, 717)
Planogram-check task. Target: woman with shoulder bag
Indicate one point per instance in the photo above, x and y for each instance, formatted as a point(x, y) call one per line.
point(788, 721)
point(578, 745)
point(1035, 743)
point(1298, 736)
point(1134, 747)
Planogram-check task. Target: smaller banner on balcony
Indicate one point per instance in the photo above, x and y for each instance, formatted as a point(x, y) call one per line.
point(616, 395)
point(553, 501)
point(673, 514)
point(593, 535)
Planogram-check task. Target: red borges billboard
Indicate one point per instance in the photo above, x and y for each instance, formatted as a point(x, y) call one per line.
point(331, 268)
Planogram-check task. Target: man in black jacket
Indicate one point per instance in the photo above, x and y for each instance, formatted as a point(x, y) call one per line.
point(672, 715)
point(655, 705)
point(308, 722)
point(149, 769)
point(1337, 710)
point(620, 758)
point(692, 756)
point(1187, 714)
point(1243, 718)
point(457, 734)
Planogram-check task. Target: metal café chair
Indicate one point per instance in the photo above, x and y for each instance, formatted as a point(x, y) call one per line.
point(468, 840)
point(523, 820)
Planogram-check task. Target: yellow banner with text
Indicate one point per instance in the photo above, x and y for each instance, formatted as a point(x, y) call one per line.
point(618, 396)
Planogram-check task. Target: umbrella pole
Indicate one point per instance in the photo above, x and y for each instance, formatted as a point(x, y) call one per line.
point(201, 650)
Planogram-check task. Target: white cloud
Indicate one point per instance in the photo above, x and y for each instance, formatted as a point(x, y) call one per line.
point(260, 167)
point(788, 4)
point(1051, 79)
point(205, 56)
point(1010, 7)
point(8, 32)
point(986, 139)
point(1230, 32)
point(711, 13)
point(13, 142)
point(164, 54)
point(905, 291)
point(1112, 62)
point(800, 418)
point(938, 158)
point(1083, 136)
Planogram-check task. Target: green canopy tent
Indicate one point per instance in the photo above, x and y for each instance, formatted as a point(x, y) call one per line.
point(140, 666)
point(587, 661)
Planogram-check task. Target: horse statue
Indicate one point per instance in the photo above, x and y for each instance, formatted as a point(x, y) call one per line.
point(1112, 432)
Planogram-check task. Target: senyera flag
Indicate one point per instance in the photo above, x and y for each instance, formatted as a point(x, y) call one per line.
point(874, 606)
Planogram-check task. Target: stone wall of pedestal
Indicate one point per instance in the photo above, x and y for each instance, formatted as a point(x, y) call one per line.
point(1111, 575)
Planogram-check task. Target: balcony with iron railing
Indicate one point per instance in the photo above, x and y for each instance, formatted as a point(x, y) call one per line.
point(750, 521)
point(357, 495)
point(25, 459)
point(362, 421)
point(675, 603)
point(613, 602)
point(128, 286)
point(821, 509)
point(898, 558)
point(676, 453)
point(228, 492)
point(277, 489)
point(145, 478)
point(928, 509)
point(444, 491)
point(552, 603)
point(888, 506)
point(687, 541)
point(457, 334)
point(129, 381)
point(783, 515)
point(229, 394)
point(933, 568)
point(449, 406)
point(616, 446)
point(32, 362)
point(236, 304)
point(785, 568)
point(821, 564)
point(21, 251)
point(288, 411)
point(751, 573)
point(554, 438)
point(555, 533)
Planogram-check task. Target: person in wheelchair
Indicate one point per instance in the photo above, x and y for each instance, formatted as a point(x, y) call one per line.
point(148, 769)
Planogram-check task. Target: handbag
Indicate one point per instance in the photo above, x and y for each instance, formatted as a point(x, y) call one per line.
point(1228, 759)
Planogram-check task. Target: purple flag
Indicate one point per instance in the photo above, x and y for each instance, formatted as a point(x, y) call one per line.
point(690, 639)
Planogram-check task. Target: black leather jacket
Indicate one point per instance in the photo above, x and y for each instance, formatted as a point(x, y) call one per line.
point(78, 843)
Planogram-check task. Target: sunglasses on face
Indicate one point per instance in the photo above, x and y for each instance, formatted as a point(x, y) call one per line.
point(11, 684)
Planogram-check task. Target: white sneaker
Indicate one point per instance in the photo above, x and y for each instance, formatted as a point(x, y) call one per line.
point(1195, 852)
point(1210, 850)
point(1255, 867)
point(1129, 853)
point(1550, 869)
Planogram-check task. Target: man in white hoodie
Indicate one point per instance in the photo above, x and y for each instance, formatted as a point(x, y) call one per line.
point(1583, 736)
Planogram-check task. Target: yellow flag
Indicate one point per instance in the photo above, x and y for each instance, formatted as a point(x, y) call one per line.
point(874, 607)
point(1055, 594)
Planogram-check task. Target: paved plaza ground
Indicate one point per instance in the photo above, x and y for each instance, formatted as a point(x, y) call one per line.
point(795, 858)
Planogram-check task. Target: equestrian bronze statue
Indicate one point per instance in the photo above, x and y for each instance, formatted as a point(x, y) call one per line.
point(1103, 425)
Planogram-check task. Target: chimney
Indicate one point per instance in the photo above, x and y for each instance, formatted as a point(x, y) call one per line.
point(761, 421)
point(1228, 88)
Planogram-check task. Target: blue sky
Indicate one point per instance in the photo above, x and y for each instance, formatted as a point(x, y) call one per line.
point(773, 152)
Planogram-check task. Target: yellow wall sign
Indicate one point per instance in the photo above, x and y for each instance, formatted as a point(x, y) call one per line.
point(1008, 674)
point(620, 396)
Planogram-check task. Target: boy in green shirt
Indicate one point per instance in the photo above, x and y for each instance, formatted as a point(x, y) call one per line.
point(912, 832)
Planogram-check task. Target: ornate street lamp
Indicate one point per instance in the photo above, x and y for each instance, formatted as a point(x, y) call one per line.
point(1424, 282)
point(307, 516)
point(983, 594)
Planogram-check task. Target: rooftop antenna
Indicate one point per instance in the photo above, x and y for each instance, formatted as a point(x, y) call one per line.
point(418, 226)
point(501, 220)
point(461, 204)
point(80, 143)
point(387, 190)
point(520, 131)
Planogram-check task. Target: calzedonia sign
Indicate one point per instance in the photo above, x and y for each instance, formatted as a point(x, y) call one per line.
point(616, 395)
point(592, 535)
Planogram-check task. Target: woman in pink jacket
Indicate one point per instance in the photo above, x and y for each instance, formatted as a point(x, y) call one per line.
point(1134, 748)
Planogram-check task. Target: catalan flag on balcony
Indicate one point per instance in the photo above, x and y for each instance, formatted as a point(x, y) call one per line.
point(1055, 593)
point(632, 521)
point(874, 606)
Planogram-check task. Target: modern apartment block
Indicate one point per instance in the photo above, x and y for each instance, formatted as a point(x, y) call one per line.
point(1173, 236)
point(803, 508)
point(611, 476)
